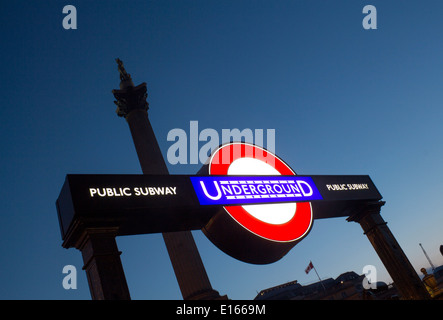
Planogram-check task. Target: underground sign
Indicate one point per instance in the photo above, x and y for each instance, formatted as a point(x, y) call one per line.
point(246, 200)
point(256, 233)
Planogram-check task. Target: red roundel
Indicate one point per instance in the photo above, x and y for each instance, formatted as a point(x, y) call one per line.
point(282, 222)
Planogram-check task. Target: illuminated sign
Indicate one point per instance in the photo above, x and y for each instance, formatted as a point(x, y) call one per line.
point(128, 192)
point(246, 200)
point(267, 208)
point(235, 190)
point(280, 222)
point(137, 204)
point(240, 230)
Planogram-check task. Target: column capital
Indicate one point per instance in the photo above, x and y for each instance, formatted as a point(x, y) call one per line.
point(368, 216)
point(129, 97)
point(366, 208)
point(389, 251)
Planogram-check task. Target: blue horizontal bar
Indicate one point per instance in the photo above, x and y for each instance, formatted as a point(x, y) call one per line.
point(236, 190)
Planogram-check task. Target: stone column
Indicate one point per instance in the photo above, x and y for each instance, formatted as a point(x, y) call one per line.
point(102, 264)
point(394, 259)
point(185, 258)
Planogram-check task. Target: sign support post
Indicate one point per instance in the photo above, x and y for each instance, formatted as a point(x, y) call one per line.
point(103, 265)
point(185, 258)
point(394, 259)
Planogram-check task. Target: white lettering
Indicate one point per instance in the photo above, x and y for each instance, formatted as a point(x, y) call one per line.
point(219, 194)
point(116, 193)
point(348, 186)
point(261, 189)
point(204, 311)
point(299, 183)
point(245, 189)
point(160, 191)
point(237, 189)
point(336, 187)
point(145, 191)
point(127, 192)
point(277, 188)
point(252, 188)
point(286, 188)
point(294, 188)
point(226, 189)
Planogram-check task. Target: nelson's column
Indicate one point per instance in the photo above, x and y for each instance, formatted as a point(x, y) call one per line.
point(185, 258)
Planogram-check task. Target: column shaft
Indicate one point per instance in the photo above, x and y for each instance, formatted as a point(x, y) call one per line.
point(391, 254)
point(185, 258)
point(103, 265)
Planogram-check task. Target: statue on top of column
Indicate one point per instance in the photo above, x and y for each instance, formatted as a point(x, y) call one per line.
point(121, 69)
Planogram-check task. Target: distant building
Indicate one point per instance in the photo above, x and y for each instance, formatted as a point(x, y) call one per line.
point(347, 286)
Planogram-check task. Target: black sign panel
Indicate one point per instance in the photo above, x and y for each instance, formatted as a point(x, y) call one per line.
point(165, 203)
point(136, 203)
point(344, 188)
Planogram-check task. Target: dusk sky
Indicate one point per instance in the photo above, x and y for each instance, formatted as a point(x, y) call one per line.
point(342, 100)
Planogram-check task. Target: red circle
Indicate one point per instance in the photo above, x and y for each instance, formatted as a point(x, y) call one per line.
point(294, 229)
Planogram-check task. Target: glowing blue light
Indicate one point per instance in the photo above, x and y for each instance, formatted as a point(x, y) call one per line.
point(237, 190)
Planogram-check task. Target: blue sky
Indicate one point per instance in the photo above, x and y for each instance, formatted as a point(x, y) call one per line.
point(342, 100)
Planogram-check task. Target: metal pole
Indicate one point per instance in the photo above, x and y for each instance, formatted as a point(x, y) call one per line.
point(427, 257)
point(321, 282)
